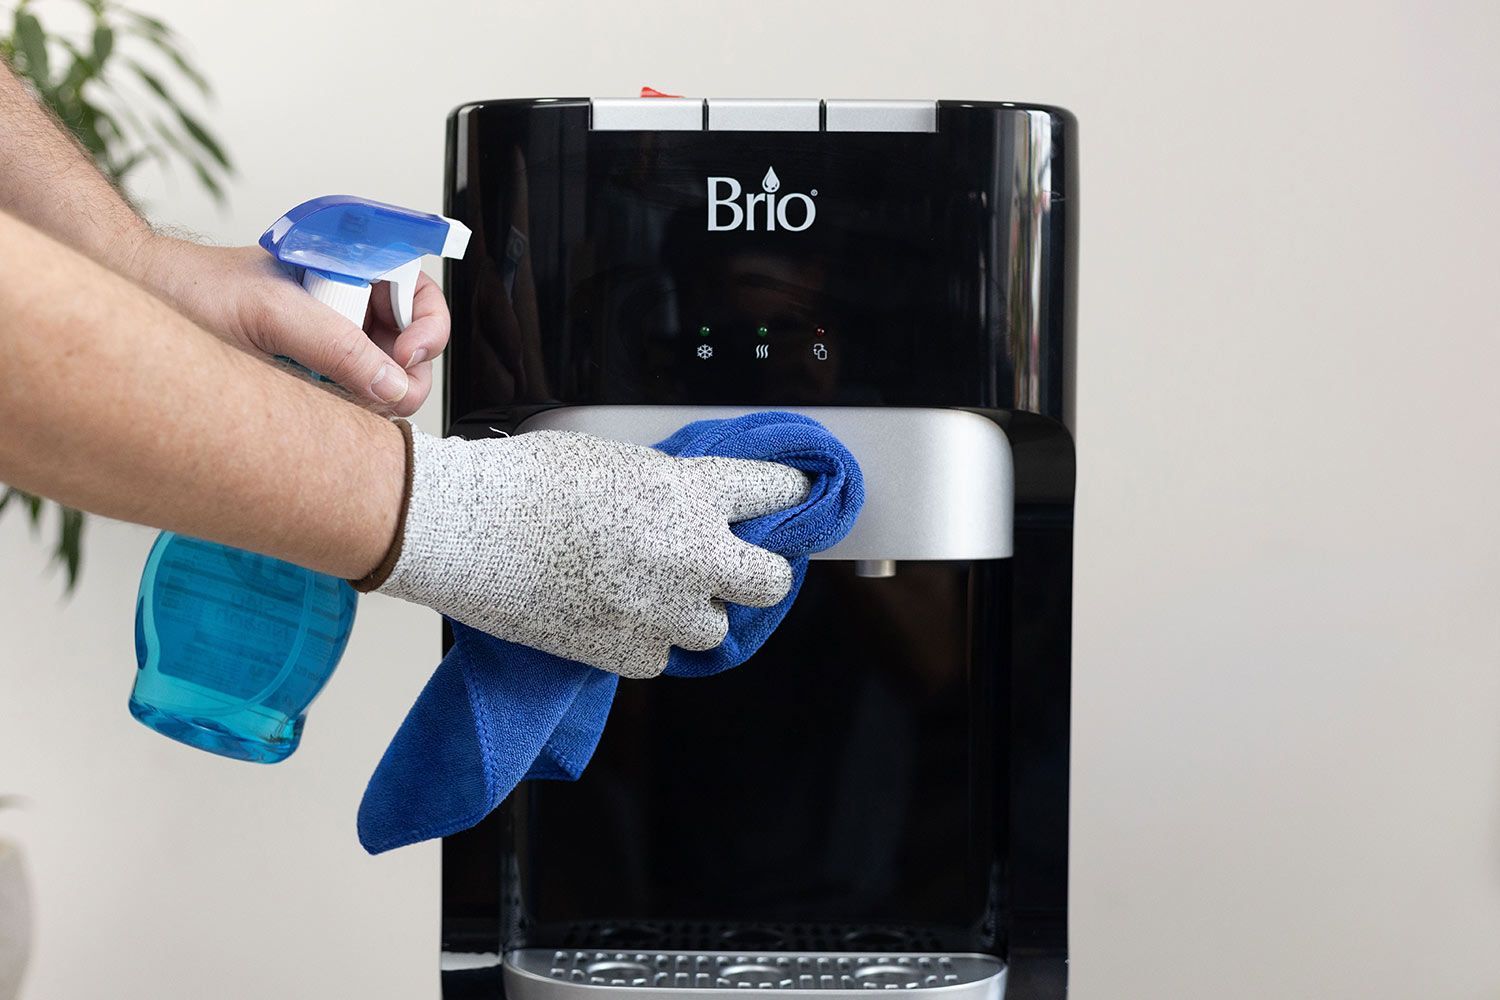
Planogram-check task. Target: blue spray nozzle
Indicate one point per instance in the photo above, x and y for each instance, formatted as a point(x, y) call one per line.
point(354, 237)
point(343, 241)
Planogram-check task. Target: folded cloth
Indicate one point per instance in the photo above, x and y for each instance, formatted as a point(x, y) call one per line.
point(496, 713)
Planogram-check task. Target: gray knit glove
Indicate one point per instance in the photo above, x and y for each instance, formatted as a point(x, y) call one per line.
point(594, 550)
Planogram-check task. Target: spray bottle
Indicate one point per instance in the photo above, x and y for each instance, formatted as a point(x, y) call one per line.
point(231, 646)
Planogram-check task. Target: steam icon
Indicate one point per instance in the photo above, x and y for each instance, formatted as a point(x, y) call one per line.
point(762, 351)
point(770, 183)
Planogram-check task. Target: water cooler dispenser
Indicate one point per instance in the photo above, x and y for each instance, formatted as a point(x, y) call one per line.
point(877, 800)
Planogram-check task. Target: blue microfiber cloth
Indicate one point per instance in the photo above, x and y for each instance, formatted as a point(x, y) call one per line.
point(496, 713)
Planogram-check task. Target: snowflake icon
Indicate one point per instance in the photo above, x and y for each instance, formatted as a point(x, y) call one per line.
point(705, 351)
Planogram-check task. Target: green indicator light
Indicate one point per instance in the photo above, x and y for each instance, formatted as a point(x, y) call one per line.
point(762, 331)
point(704, 331)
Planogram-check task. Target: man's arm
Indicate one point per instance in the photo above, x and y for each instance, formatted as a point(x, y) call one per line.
point(112, 402)
point(48, 181)
point(237, 293)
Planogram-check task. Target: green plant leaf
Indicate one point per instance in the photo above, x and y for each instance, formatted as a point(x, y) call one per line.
point(174, 141)
point(73, 50)
point(5, 498)
point(126, 114)
point(183, 64)
point(191, 125)
point(85, 126)
point(202, 137)
point(69, 544)
point(109, 127)
point(33, 508)
point(121, 169)
point(157, 153)
point(200, 169)
point(207, 180)
point(147, 25)
point(170, 138)
point(33, 44)
point(153, 83)
point(104, 43)
point(80, 72)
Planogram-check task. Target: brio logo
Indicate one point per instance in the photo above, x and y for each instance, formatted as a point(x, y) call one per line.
point(767, 210)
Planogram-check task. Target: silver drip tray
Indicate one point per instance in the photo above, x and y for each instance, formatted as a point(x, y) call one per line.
point(546, 974)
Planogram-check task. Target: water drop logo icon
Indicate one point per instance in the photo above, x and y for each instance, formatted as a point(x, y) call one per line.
point(770, 183)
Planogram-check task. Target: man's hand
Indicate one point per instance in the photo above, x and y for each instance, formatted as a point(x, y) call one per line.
point(114, 402)
point(248, 299)
point(238, 293)
point(593, 550)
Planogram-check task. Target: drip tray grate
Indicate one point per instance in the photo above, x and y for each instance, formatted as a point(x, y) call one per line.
point(547, 974)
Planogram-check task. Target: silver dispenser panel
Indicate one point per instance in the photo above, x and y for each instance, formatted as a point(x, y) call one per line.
point(544, 974)
point(939, 483)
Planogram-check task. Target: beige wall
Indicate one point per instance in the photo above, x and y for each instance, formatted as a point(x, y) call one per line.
point(1287, 675)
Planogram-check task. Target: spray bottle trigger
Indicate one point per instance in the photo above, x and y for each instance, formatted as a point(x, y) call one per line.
point(403, 287)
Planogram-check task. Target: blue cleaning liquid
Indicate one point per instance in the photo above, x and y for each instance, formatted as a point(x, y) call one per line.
point(232, 647)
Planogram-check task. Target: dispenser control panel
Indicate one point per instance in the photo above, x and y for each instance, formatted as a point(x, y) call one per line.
point(757, 350)
point(671, 251)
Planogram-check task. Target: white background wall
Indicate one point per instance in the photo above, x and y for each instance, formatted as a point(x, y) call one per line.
point(1287, 675)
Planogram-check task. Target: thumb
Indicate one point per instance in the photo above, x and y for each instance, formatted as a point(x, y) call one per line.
point(310, 333)
point(746, 488)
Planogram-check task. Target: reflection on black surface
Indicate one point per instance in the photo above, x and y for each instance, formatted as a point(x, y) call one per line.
point(842, 776)
point(593, 270)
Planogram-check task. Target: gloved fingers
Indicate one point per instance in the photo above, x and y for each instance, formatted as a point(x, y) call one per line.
point(750, 575)
point(744, 488)
point(704, 628)
point(638, 661)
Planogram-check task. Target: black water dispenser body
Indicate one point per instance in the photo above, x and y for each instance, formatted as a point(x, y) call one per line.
point(887, 778)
